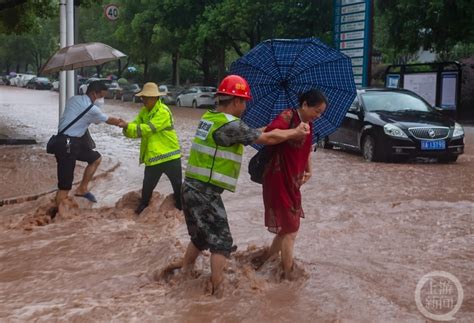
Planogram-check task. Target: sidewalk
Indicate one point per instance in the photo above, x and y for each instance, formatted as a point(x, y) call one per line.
point(28, 172)
point(10, 137)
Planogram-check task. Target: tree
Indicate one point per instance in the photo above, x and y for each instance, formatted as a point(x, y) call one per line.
point(433, 24)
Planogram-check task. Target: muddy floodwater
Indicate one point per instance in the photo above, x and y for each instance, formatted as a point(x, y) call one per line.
point(371, 232)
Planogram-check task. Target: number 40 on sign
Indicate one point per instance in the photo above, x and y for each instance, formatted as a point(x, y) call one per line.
point(111, 11)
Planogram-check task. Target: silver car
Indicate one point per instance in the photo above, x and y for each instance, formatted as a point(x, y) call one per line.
point(197, 97)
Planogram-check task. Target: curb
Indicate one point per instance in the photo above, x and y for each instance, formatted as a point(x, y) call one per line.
point(21, 199)
point(13, 141)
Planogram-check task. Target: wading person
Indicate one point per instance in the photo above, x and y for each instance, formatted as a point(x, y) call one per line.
point(76, 143)
point(214, 166)
point(288, 169)
point(159, 147)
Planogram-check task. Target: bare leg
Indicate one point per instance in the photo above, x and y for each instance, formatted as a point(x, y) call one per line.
point(87, 177)
point(217, 270)
point(61, 195)
point(190, 257)
point(275, 248)
point(288, 242)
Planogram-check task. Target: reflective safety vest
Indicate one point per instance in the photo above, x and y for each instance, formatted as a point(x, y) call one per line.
point(159, 141)
point(209, 162)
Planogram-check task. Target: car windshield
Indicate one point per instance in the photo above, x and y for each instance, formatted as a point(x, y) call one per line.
point(393, 102)
point(42, 79)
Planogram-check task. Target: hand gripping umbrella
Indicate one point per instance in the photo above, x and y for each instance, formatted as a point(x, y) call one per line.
point(81, 55)
point(279, 70)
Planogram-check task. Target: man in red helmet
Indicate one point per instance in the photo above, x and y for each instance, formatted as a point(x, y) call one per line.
point(214, 166)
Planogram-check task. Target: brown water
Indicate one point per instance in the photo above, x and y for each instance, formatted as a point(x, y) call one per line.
point(371, 232)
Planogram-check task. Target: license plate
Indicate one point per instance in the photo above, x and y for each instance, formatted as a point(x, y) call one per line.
point(433, 145)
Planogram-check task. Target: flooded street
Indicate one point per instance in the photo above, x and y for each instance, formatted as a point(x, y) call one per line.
point(371, 232)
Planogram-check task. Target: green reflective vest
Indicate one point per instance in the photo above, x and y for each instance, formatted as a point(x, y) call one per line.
point(159, 141)
point(209, 162)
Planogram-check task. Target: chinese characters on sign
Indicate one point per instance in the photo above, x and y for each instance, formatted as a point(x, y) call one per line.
point(352, 27)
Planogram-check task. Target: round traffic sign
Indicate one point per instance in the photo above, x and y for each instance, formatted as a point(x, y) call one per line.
point(111, 11)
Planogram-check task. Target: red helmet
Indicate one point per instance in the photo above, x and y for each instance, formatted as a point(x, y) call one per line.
point(236, 86)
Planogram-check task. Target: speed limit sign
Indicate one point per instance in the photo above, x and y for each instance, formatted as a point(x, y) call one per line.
point(111, 11)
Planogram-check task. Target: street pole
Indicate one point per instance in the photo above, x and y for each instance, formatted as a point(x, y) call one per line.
point(62, 44)
point(70, 41)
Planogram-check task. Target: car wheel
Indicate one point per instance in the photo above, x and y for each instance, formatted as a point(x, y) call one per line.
point(370, 151)
point(324, 143)
point(178, 103)
point(448, 159)
point(194, 105)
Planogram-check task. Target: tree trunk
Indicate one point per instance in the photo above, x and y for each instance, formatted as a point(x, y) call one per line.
point(175, 70)
point(221, 71)
point(119, 68)
point(145, 70)
point(206, 66)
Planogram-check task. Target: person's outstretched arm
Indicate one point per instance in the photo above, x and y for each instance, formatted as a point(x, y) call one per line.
point(277, 136)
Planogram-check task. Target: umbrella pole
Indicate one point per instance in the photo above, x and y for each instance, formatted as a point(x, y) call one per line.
point(62, 44)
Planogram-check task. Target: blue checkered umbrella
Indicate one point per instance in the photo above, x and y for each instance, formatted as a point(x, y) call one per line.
point(279, 70)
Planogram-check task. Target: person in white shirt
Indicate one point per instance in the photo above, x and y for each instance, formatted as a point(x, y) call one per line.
point(75, 142)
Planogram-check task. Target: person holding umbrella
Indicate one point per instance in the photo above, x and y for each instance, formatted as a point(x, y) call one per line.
point(214, 166)
point(159, 148)
point(288, 169)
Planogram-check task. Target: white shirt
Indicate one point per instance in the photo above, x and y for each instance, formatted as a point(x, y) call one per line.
point(74, 107)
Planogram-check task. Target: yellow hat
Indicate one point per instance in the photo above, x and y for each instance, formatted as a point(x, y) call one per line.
point(150, 89)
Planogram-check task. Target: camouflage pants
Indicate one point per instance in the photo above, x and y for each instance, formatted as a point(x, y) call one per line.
point(206, 217)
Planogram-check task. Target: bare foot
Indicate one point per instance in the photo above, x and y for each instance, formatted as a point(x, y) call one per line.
point(259, 258)
point(218, 290)
point(169, 271)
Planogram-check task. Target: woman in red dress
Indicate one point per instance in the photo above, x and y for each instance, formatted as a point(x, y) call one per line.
point(289, 168)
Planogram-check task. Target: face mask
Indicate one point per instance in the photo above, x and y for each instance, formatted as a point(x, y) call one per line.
point(99, 102)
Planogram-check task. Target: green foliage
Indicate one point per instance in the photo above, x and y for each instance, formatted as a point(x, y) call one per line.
point(403, 26)
point(24, 16)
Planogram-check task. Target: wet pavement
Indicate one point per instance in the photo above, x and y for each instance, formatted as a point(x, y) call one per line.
point(371, 232)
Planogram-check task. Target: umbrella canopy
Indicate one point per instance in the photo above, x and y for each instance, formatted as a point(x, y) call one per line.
point(81, 55)
point(279, 70)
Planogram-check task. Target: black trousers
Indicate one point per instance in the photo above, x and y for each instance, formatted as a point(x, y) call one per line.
point(172, 169)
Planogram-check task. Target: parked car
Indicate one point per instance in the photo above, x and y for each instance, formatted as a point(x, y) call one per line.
point(388, 124)
point(197, 97)
point(114, 91)
point(25, 79)
point(39, 83)
point(15, 79)
point(128, 93)
point(55, 86)
point(172, 92)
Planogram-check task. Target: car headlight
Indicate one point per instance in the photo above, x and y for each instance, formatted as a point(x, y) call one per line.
point(394, 131)
point(458, 130)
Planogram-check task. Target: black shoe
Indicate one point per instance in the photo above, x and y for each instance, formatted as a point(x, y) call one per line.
point(140, 209)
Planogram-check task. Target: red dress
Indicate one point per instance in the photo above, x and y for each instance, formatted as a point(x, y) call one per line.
point(282, 178)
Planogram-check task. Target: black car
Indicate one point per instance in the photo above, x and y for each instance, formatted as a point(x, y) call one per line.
point(39, 83)
point(387, 124)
